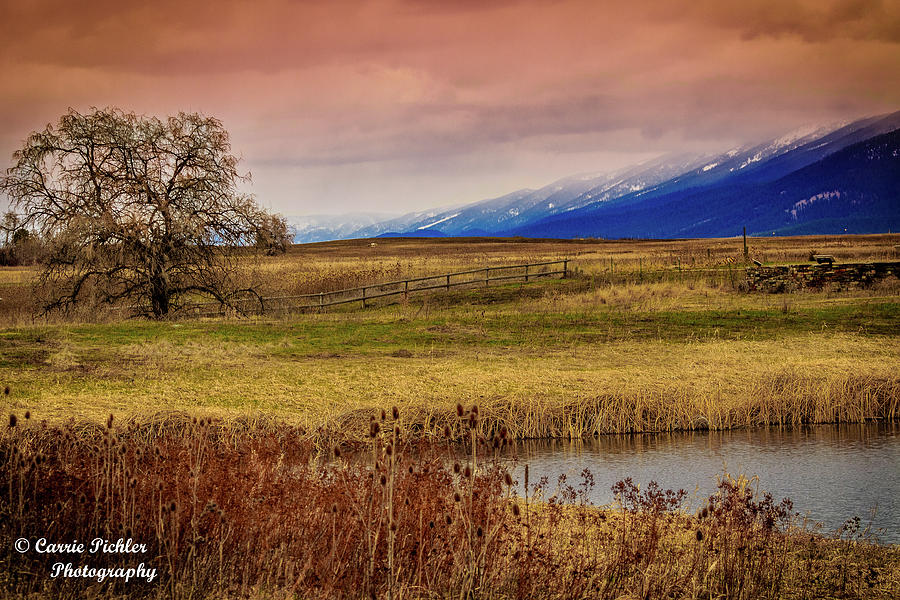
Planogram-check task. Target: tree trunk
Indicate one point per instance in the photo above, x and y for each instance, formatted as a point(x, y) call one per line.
point(159, 293)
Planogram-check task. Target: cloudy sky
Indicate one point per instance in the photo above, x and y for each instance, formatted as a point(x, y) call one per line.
point(396, 105)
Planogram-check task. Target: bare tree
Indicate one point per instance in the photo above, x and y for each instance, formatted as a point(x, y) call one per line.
point(135, 209)
point(274, 237)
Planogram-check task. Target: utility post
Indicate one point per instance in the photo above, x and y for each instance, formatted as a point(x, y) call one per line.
point(746, 250)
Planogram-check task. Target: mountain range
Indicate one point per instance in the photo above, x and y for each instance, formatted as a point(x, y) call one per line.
point(842, 178)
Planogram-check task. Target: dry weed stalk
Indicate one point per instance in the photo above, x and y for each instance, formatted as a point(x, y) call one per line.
point(252, 511)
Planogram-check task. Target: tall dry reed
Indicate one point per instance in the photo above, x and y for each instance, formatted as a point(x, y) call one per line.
point(237, 512)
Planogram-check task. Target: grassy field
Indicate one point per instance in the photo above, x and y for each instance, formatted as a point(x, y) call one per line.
point(329, 266)
point(310, 455)
point(615, 348)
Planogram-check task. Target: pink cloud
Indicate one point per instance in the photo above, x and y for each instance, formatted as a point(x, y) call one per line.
point(418, 86)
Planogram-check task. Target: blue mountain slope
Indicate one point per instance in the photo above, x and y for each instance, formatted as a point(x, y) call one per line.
point(764, 162)
point(673, 196)
point(856, 189)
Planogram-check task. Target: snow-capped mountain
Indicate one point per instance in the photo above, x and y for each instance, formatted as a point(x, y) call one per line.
point(671, 196)
point(854, 171)
point(493, 216)
point(318, 228)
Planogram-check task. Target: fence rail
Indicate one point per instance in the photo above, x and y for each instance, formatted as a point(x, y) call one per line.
point(367, 293)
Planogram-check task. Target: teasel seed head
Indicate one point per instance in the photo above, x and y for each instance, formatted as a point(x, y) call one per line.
point(133, 482)
point(503, 432)
point(334, 508)
point(474, 409)
point(27, 414)
point(383, 480)
point(516, 510)
point(456, 468)
point(507, 479)
point(395, 412)
point(12, 420)
point(383, 415)
point(172, 506)
point(449, 520)
point(479, 532)
point(411, 470)
point(456, 497)
point(6, 390)
point(473, 420)
point(431, 524)
point(337, 451)
point(467, 472)
point(447, 432)
point(374, 428)
point(459, 410)
point(699, 535)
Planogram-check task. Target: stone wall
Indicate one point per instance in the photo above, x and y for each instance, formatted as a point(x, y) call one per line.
point(814, 276)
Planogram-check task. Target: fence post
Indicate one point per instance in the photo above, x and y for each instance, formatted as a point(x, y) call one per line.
point(406, 289)
point(321, 301)
point(487, 276)
point(448, 281)
point(364, 297)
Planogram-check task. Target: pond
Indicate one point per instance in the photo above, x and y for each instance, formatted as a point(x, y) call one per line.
point(831, 472)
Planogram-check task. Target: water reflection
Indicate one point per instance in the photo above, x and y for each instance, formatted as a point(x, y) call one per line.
point(831, 472)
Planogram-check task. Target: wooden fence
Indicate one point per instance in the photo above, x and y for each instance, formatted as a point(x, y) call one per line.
point(368, 293)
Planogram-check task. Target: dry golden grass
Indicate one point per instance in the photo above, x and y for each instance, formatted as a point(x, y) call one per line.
point(576, 391)
point(570, 358)
point(330, 266)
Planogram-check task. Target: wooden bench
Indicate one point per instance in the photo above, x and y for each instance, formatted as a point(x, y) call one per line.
point(824, 259)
